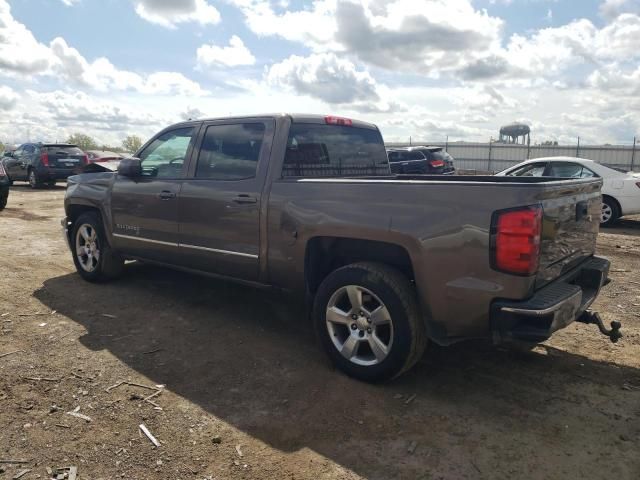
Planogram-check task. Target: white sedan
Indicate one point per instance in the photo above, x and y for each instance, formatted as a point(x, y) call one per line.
point(620, 191)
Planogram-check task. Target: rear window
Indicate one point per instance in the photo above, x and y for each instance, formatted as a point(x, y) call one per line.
point(315, 150)
point(59, 150)
point(406, 156)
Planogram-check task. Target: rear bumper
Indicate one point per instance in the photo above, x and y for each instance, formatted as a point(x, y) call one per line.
point(56, 173)
point(552, 307)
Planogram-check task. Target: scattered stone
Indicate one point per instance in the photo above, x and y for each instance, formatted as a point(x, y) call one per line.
point(217, 439)
point(412, 447)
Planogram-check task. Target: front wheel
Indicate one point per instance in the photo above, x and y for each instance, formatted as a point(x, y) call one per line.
point(4, 196)
point(366, 315)
point(610, 212)
point(94, 259)
point(34, 181)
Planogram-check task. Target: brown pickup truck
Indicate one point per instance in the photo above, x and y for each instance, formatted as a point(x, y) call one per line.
point(307, 204)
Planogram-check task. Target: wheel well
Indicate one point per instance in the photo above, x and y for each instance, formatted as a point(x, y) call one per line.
point(74, 211)
point(326, 254)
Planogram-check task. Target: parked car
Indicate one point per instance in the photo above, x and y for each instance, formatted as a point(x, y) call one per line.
point(387, 262)
point(420, 160)
point(4, 187)
point(103, 156)
point(44, 163)
point(620, 190)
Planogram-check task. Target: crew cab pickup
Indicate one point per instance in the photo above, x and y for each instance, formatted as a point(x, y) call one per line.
point(307, 204)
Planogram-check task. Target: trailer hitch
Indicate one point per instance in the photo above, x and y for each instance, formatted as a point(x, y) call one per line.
point(614, 333)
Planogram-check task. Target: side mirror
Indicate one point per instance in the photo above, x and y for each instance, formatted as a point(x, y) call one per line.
point(130, 167)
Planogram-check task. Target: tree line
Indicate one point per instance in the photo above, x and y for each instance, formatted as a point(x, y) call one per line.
point(131, 144)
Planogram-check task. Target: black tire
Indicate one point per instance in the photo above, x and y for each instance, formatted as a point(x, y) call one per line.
point(109, 264)
point(51, 183)
point(34, 179)
point(612, 205)
point(394, 290)
point(4, 196)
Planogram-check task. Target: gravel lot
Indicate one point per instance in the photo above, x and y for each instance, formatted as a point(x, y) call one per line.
point(249, 395)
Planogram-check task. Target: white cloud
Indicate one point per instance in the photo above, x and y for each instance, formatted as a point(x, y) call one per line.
point(170, 13)
point(234, 55)
point(8, 98)
point(70, 3)
point(612, 8)
point(324, 76)
point(22, 55)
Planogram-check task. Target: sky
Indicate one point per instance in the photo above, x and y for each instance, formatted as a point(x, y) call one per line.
point(425, 69)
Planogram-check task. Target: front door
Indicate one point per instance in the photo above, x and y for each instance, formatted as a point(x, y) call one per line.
point(145, 209)
point(220, 201)
point(16, 166)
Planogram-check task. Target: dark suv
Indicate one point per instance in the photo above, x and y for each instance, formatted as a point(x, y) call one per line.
point(44, 163)
point(421, 160)
point(4, 188)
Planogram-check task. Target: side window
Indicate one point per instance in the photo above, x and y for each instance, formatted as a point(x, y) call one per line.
point(18, 152)
point(569, 170)
point(531, 170)
point(165, 156)
point(29, 149)
point(230, 152)
point(316, 150)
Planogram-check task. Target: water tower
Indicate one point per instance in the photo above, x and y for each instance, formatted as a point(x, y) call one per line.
point(516, 133)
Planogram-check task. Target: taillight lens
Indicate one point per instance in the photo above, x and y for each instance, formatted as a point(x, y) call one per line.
point(436, 163)
point(44, 159)
point(516, 240)
point(345, 122)
point(85, 160)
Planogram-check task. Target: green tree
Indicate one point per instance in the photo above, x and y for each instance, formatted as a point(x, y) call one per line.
point(85, 142)
point(132, 143)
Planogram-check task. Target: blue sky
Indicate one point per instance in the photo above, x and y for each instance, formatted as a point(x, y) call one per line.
point(421, 68)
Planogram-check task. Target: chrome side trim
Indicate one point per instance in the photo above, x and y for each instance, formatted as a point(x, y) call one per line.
point(224, 252)
point(148, 240)
point(195, 247)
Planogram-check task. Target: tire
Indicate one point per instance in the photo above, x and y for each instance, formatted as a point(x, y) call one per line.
point(610, 212)
point(4, 196)
point(398, 334)
point(88, 232)
point(51, 183)
point(32, 178)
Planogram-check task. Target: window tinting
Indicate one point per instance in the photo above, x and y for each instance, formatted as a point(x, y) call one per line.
point(165, 156)
point(570, 170)
point(315, 150)
point(230, 152)
point(532, 170)
point(64, 150)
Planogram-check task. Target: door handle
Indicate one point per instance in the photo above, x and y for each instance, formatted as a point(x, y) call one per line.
point(166, 195)
point(245, 199)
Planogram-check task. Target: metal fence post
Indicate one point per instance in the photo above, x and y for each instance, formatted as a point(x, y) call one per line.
point(578, 148)
point(633, 154)
point(528, 147)
point(489, 163)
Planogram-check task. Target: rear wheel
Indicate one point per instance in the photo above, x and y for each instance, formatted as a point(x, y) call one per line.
point(34, 181)
point(94, 259)
point(51, 183)
point(366, 315)
point(610, 212)
point(3, 199)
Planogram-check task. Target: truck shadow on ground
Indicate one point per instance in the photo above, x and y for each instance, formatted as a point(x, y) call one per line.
point(624, 226)
point(249, 358)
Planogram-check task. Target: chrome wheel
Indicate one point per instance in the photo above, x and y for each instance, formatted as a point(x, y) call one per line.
point(359, 325)
point(87, 247)
point(607, 213)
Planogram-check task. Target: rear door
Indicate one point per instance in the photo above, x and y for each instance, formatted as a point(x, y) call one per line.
point(145, 209)
point(221, 199)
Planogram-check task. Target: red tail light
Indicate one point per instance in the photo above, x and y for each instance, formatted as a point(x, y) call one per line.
point(515, 240)
point(44, 159)
point(85, 159)
point(345, 122)
point(436, 163)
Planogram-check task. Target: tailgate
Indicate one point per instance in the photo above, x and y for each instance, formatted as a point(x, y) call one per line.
point(62, 157)
point(570, 226)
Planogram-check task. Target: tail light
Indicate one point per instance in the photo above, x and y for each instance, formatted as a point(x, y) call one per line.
point(436, 163)
point(515, 240)
point(44, 159)
point(345, 122)
point(85, 159)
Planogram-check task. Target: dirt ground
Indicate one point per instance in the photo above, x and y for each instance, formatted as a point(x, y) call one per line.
point(241, 368)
